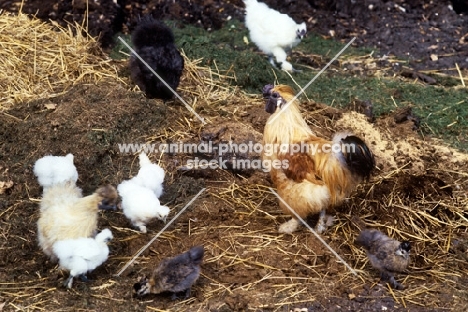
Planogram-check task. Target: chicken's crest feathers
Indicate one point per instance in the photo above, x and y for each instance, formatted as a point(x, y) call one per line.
point(144, 159)
point(107, 191)
point(108, 197)
point(196, 254)
point(285, 91)
point(163, 211)
point(151, 32)
point(104, 236)
point(301, 30)
point(51, 170)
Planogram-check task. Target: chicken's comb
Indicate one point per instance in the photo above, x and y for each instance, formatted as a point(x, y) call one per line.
point(267, 90)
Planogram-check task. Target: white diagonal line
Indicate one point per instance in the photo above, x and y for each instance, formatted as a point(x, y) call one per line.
point(160, 232)
point(162, 80)
point(313, 79)
point(315, 233)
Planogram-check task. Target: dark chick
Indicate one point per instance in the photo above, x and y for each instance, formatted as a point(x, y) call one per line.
point(154, 43)
point(385, 254)
point(174, 275)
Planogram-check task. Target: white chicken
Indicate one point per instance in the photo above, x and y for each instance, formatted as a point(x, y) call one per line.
point(273, 32)
point(82, 255)
point(140, 204)
point(51, 170)
point(150, 175)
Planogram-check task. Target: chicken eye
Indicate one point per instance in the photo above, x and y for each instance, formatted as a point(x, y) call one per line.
point(275, 95)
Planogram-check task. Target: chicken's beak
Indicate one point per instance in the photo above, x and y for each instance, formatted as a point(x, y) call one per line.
point(106, 206)
point(164, 219)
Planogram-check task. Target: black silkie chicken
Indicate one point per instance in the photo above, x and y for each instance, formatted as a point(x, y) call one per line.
point(385, 254)
point(154, 43)
point(173, 275)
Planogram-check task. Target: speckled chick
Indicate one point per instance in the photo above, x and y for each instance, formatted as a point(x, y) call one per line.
point(385, 254)
point(173, 275)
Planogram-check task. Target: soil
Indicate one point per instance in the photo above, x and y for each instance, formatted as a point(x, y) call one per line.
point(248, 266)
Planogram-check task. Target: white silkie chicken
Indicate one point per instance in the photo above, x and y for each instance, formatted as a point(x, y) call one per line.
point(140, 204)
point(150, 175)
point(82, 255)
point(273, 32)
point(140, 194)
point(51, 170)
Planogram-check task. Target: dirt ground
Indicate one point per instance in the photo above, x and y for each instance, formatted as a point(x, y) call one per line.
point(418, 192)
point(248, 265)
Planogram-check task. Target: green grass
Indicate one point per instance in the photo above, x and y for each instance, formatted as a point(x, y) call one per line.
point(443, 109)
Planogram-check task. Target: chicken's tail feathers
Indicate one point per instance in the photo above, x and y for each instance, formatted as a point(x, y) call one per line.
point(367, 237)
point(196, 254)
point(144, 159)
point(358, 156)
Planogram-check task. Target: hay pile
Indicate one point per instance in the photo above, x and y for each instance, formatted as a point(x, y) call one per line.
point(39, 60)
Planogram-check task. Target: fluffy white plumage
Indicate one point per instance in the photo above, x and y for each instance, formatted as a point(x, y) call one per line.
point(51, 170)
point(65, 214)
point(150, 175)
point(82, 255)
point(273, 32)
point(140, 204)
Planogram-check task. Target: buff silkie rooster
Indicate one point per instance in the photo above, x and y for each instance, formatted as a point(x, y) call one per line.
point(311, 179)
point(273, 32)
point(66, 214)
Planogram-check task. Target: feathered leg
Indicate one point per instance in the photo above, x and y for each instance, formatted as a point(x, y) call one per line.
point(290, 226)
point(84, 278)
point(69, 282)
point(281, 56)
point(140, 226)
point(324, 222)
point(388, 277)
point(272, 61)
